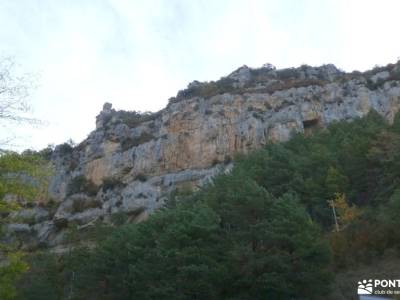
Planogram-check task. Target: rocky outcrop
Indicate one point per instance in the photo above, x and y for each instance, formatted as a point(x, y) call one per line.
point(132, 162)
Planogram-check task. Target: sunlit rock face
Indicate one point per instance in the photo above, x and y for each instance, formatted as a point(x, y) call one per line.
point(132, 162)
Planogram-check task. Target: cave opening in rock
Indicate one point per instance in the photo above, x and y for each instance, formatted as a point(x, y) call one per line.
point(310, 125)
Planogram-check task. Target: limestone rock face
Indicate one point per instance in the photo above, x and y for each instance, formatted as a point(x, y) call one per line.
point(133, 161)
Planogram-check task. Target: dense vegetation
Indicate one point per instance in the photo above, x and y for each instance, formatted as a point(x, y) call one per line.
point(264, 231)
point(24, 176)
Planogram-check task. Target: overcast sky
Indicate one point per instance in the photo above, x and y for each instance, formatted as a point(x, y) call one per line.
point(136, 54)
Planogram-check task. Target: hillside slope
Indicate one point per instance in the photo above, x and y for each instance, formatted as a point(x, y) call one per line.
point(132, 162)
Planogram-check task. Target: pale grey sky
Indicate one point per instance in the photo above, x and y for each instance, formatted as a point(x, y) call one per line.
point(138, 53)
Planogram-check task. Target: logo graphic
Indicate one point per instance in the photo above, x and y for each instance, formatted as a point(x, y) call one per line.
point(365, 287)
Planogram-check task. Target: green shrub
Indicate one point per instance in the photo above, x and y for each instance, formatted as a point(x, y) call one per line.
point(395, 74)
point(80, 205)
point(65, 149)
point(119, 218)
point(129, 143)
point(290, 73)
point(205, 89)
point(145, 137)
point(73, 164)
point(80, 184)
point(227, 159)
point(374, 85)
point(46, 153)
point(133, 118)
point(43, 280)
point(110, 183)
point(11, 270)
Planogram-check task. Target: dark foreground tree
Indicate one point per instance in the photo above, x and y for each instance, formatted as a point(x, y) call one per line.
point(233, 241)
point(275, 250)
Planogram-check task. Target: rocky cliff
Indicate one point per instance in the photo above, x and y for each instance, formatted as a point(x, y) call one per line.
point(132, 162)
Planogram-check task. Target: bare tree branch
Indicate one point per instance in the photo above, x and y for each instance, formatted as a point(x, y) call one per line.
point(14, 97)
point(14, 92)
